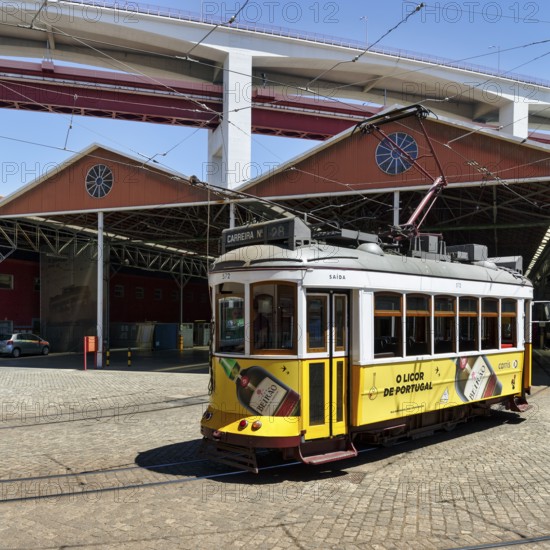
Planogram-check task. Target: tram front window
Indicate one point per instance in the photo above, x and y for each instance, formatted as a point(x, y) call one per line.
point(230, 317)
point(273, 318)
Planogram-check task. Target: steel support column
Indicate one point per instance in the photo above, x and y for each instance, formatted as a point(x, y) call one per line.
point(100, 260)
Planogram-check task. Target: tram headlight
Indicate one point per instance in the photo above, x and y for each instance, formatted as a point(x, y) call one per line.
point(207, 416)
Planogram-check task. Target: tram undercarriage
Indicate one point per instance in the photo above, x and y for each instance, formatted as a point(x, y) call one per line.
point(241, 453)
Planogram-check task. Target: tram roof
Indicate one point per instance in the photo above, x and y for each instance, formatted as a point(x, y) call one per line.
point(364, 258)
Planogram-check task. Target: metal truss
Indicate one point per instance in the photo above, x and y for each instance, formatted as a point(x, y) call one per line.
point(41, 237)
point(155, 260)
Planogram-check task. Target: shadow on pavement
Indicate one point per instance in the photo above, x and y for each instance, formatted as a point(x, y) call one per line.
point(185, 459)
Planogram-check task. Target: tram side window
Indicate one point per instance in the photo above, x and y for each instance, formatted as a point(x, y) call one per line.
point(230, 317)
point(467, 324)
point(387, 325)
point(509, 324)
point(273, 318)
point(489, 323)
point(418, 333)
point(444, 324)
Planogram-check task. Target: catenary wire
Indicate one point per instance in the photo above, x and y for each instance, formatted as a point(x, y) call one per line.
point(355, 106)
point(357, 57)
point(149, 158)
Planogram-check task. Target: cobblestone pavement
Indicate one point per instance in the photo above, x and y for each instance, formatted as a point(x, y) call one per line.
point(89, 434)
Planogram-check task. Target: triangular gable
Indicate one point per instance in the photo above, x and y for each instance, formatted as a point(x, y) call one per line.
point(134, 185)
point(348, 163)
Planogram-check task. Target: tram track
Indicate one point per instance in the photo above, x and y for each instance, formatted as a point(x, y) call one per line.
point(72, 485)
point(116, 479)
point(98, 413)
point(127, 492)
point(503, 544)
point(76, 484)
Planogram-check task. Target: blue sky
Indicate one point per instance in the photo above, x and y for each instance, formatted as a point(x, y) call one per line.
point(494, 34)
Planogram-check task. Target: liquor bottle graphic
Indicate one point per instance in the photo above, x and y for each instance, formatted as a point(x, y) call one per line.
point(476, 379)
point(260, 392)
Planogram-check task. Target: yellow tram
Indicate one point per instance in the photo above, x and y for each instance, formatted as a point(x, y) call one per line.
point(316, 345)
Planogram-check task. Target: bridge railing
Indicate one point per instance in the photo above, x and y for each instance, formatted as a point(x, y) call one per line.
point(183, 15)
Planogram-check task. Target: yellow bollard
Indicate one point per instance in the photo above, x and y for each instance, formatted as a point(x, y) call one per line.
point(129, 357)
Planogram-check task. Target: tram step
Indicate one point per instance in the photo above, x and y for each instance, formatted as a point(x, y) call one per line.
point(328, 457)
point(321, 452)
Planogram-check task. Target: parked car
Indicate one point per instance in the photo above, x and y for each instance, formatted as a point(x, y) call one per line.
point(21, 342)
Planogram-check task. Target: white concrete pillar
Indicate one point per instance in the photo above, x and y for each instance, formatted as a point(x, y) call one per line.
point(230, 145)
point(514, 118)
point(212, 172)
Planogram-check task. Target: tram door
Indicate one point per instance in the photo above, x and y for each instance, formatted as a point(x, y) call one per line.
point(326, 369)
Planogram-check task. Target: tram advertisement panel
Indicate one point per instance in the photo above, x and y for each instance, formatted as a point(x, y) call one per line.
point(244, 386)
point(388, 391)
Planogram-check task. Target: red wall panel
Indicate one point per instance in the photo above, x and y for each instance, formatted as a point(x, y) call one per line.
point(160, 301)
point(22, 304)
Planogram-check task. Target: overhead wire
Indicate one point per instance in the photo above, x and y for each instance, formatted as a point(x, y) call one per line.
point(223, 192)
point(487, 81)
point(355, 59)
point(71, 122)
point(484, 170)
point(317, 77)
point(298, 88)
point(220, 192)
point(470, 10)
point(451, 63)
point(114, 62)
point(226, 69)
point(241, 129)
point(331, 180)
point(358, 56)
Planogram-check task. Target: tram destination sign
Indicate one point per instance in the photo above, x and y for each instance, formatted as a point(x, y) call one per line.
point(287, 232)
